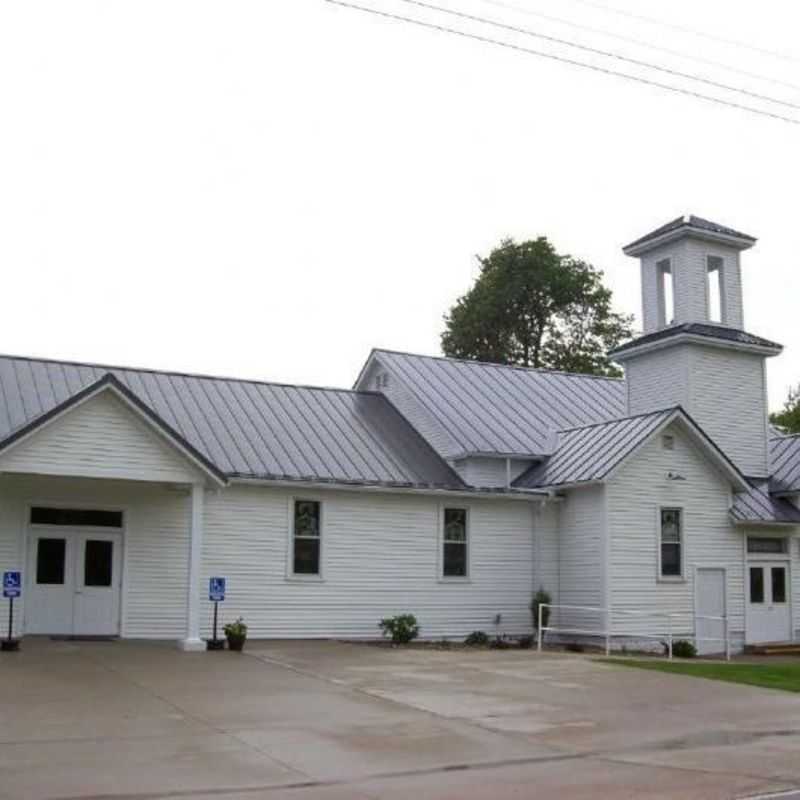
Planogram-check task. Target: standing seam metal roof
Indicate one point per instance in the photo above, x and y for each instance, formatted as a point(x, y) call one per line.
point(703, 329)
point(785, 463)
point(689, 223)
point(492, 408)
point(590, 453)
point(246, 428)
point(758, 506)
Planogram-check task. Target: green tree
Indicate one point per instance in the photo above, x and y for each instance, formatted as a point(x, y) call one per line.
point(532, 307)
point(789, 419)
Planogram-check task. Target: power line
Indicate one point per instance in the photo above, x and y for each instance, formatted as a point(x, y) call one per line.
point(639, 42)
point(564, 60)
point(605, 53)
point(685, 29)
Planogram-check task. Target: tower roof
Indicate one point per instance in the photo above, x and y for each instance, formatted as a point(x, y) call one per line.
point(704, 332)
point(689, 225)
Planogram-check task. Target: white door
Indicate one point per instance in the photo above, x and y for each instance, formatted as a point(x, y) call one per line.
point(768, 615)
point(73, 583)
point(709, 628)
point(50, 583)
point(97, 584)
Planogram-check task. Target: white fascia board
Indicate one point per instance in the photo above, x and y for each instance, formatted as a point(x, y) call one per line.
point(371, 358)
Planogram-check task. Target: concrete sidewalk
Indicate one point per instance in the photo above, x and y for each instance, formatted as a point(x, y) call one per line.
point(329, 720)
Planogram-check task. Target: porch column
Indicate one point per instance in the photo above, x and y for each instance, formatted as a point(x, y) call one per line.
point(192, 641)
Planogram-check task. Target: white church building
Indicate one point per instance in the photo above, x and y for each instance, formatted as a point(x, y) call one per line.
point(446, 488)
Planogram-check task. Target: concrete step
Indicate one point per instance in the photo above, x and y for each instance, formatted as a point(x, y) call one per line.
point(774, 649)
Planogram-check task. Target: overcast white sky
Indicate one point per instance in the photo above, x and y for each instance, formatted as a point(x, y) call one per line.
point(269, 189)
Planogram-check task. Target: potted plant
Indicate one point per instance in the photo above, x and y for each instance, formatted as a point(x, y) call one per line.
point(236, 633)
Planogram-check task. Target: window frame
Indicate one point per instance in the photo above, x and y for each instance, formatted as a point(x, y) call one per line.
point(785, 555)
point(660, 577)
point(305, 577)
point(441, 577)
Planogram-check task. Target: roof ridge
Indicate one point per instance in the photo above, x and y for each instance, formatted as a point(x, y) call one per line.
point(181, 374)
point(478, 362)
point(654, 413)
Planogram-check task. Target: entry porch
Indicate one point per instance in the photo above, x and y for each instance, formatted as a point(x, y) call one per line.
point(103, 557)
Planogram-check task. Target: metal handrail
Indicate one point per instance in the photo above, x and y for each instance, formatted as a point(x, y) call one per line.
point(669, 616)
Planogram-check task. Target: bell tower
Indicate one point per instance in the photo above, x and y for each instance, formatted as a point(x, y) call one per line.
point(694, 351)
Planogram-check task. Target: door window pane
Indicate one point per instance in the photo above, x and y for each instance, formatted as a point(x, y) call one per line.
point(779, 584)
point(97, 562)
point(756, 584)
point(50, 555)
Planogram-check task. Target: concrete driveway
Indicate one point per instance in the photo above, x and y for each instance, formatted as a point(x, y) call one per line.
point(326, 720)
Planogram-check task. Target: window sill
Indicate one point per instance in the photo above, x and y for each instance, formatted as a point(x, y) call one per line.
point(667, 579)
point(466, 579)
point(305, 579)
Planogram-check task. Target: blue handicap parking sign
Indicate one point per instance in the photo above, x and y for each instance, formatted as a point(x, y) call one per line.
point(216, 589)
point(12, 584)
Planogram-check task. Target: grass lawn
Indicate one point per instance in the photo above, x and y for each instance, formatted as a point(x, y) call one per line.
point(771, 676)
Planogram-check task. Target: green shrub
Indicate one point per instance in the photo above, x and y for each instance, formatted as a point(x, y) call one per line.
point(525, 642)
point(477, 638)
point(683, 649)
point(541, 598)
point(500, 643)
point(237, 629)
point(402, 628)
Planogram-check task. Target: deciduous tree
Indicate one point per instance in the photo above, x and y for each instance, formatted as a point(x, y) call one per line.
point(532, 307)
point(788, 419)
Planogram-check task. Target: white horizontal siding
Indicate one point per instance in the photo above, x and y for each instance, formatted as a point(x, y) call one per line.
point(546, 562)
point(696, 254)
point(658, 380)
point(581, 556)
point(729, 400)
point(689, 263)
point(380, 558)
point(12, 553)
point(635, 495)
point(99, 438)
point(155, 542)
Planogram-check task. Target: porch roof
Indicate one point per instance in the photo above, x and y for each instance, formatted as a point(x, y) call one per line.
point(236, 428)
point(758, 506)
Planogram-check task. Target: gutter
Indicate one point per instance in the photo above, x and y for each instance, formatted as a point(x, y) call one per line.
point(524, 495)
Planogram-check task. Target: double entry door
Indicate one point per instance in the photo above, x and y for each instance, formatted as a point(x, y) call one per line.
point(73, 584)
point(768, 607)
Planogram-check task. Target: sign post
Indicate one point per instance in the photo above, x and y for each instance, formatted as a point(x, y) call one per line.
point(12, 587)
point(216, 594)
